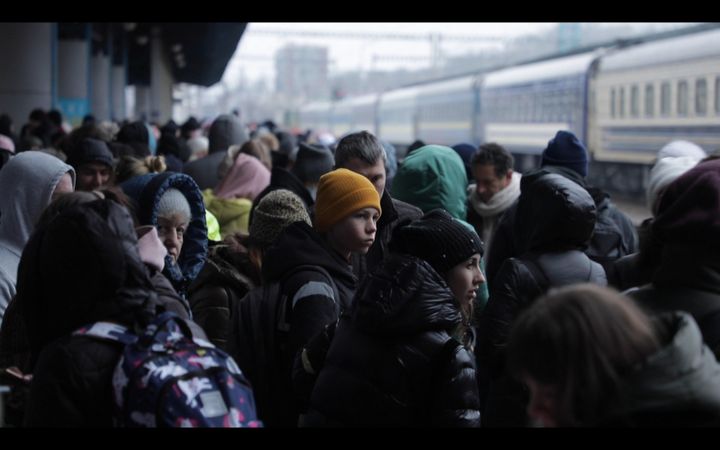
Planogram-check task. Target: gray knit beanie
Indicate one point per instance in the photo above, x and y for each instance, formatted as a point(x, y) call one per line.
point(173, 202)
point(275, 212)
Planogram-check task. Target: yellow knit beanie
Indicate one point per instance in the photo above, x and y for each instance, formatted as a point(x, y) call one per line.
point(340, 193)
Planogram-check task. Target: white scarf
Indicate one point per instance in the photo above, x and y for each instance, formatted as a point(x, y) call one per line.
point(499, 202)
point(490, 212)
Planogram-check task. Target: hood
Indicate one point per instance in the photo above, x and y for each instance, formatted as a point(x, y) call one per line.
point(682, 376)
point(553, 213)
point(27, 182)
point(146, 191)
point(564, 171)
point(433, 177)
point(299, 245)
point(246, 179)
point(227, 210)
point(284, 179)
point(82, 267)
point(405, 295)
point(225, 131)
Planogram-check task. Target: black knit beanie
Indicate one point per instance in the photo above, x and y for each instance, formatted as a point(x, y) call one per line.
point(438, 239)
point(90, 150)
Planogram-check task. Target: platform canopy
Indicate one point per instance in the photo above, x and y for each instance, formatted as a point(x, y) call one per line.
point(197, 52)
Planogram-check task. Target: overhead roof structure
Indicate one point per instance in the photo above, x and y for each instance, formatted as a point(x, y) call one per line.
point(206, 49)
point(198, 52)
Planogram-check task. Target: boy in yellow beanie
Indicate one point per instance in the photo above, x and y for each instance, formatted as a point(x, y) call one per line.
point(312, 267)
point(347, 211)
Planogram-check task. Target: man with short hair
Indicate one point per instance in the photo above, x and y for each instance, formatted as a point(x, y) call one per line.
point(495, 189)
point(363, 153)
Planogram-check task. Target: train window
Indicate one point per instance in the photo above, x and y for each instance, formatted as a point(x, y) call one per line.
point(612, 102)
point(682, 98)
point(665, 99)
point(717, 95)
point(700, 96)
point(634, 101)
point(649, 100)
point(622, 102)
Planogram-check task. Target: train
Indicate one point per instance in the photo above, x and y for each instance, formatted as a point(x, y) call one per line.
point(623, 101)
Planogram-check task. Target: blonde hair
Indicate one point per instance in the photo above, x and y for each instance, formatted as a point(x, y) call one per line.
point(130, 166)
point(270, 141)
point(258, 149)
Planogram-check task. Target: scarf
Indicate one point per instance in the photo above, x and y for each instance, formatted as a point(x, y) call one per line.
point(491, 210)
point(499, 202)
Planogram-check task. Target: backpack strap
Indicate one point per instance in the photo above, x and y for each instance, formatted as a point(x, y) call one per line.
point(107, 331)
point(537, 273)
point(160, 322)
point(284, 306)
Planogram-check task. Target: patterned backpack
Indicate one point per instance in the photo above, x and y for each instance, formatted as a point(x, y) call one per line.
point(167, 378)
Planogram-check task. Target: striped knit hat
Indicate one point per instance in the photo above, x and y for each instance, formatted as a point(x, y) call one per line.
point(340, 193)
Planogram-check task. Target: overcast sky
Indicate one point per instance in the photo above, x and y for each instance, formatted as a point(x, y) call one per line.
point(254, 57)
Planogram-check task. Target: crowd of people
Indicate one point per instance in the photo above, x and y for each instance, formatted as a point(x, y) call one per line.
point(353, 287)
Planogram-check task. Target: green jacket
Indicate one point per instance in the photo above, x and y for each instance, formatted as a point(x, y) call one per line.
point(232, 214)
point(433, 177)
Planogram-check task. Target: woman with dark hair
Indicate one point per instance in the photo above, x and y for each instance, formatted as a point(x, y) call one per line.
point(402, 355)
point(590, 357)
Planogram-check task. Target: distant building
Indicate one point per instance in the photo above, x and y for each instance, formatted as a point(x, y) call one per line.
point(302, 71)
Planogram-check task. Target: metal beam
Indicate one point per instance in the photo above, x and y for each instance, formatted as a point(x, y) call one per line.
point(369, 35)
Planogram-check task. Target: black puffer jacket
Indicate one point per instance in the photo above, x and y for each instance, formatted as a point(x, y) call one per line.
point(82, 268)
point(554, 220)
point(311, 304)
point(393, 361)
point(614, 234)
point(225, 279)
point(395, 213)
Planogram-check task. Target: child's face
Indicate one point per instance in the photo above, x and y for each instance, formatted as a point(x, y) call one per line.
point(356, 232)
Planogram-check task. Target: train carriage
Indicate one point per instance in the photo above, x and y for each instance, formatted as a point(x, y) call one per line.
point(446, 112)
point(624, 103)
point(397, 118)
point(316, 116)
point(650, 94)
point(363, 113)
point(341, 117)
point(524, 106)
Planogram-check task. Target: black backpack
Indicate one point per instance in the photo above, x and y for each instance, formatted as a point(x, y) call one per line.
point(607, 243)
point(258, 338)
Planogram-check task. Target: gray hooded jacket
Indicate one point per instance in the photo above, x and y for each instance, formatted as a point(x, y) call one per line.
point(27, 183)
